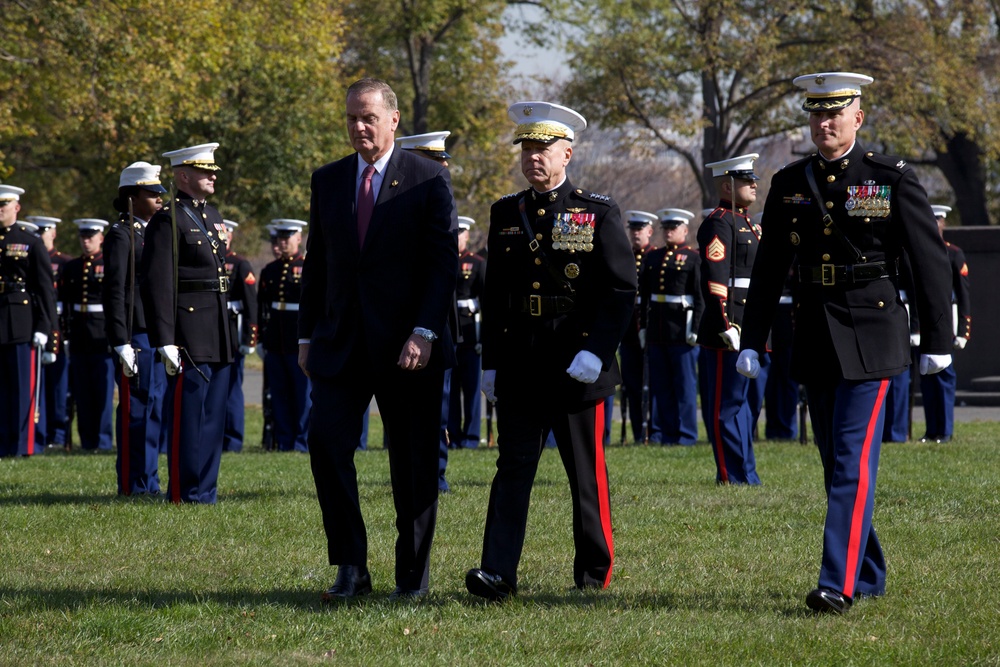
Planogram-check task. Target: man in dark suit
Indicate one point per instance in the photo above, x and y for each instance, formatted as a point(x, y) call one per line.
point(560, 288)
point(846, 215)
point(377, 285)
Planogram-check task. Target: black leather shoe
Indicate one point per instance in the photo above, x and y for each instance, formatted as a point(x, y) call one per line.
point(352, 581)
point(828, 600)
point(486, 584)
point(942, 439)
point(401, 594)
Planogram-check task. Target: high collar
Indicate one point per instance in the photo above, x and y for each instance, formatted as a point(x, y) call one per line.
point(844, 162)
point(552, 195)
point(728, 205)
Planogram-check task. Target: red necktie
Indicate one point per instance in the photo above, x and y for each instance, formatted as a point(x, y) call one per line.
point(366, 203)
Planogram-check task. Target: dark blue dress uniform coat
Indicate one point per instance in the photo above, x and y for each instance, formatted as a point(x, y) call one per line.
point(464, 399)
point(91, 369)
point(27, 305)
point(195, 318)
point(851, 331)
point(537, 315)
point(139, 420)
point(727, 243)
point(632, 363)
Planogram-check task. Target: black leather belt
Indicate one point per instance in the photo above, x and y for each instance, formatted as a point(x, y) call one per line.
point(831, 274)
point(8, 286)
point(220, 284)
point(545, 306)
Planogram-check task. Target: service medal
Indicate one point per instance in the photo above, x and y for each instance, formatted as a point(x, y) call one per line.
point(571, 271)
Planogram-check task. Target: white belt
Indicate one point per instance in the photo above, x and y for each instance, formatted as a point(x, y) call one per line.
point(787, 300)
point(59, 307)
point(236, 306)
point(471, 304)
point(88, 307)
point(741, 283)
point(638, 299)
point(685, 300)
point(280, 305)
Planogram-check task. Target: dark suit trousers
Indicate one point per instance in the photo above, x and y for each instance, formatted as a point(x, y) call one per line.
point(410, 405)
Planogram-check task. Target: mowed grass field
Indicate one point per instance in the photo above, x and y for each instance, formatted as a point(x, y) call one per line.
point(704, 574)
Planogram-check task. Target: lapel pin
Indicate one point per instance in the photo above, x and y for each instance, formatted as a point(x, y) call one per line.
point(394, 184)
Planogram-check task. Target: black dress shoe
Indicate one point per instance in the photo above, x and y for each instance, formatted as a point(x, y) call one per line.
point(352, 581)
point(942, 439)
point(828, 600)
point(400, 594)
point(486, 584)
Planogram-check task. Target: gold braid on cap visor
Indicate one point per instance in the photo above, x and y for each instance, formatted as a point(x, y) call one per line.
point(830, 101)
point(198, 164)
point(541, 131)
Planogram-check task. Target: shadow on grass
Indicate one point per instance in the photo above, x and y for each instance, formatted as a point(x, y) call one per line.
point(722, 602)
point(13, 497)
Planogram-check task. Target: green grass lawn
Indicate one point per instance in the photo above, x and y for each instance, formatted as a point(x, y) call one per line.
point(703, 574)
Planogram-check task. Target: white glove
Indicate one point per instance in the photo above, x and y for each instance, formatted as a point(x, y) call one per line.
point(38, 339)
point(247, 350)
point(488, 385)
point(748, 364)
point(48, 358)
point(731, 337)
point(691, 338)
point(934, 363)
point(66, 347)
point(127, 355)
point(642, 338)
point(171, 359)
point(959, 343)
point(585, 368)
point(915, 340)
point(261, 352)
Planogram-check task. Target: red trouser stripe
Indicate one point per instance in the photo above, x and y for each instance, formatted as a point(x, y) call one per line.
point(175, 440)
point(125, 401)
point(603, 496)
point(861, 497)
point(717, 418)
point(33, 389)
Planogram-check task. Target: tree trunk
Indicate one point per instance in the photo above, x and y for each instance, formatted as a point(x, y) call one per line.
point(963, 165)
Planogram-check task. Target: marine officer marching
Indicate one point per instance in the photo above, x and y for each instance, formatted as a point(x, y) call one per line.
point(559, 292)
point(845, 215)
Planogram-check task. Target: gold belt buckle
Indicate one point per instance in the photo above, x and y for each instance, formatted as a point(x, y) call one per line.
point(535, 305)
point(828, 275)
point(223, 284)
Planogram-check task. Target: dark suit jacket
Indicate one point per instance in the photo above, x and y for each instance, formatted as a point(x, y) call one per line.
point(854, 331)
point(368, 300)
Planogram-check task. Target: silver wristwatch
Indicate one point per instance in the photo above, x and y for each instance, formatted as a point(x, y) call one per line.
point(426, 334)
